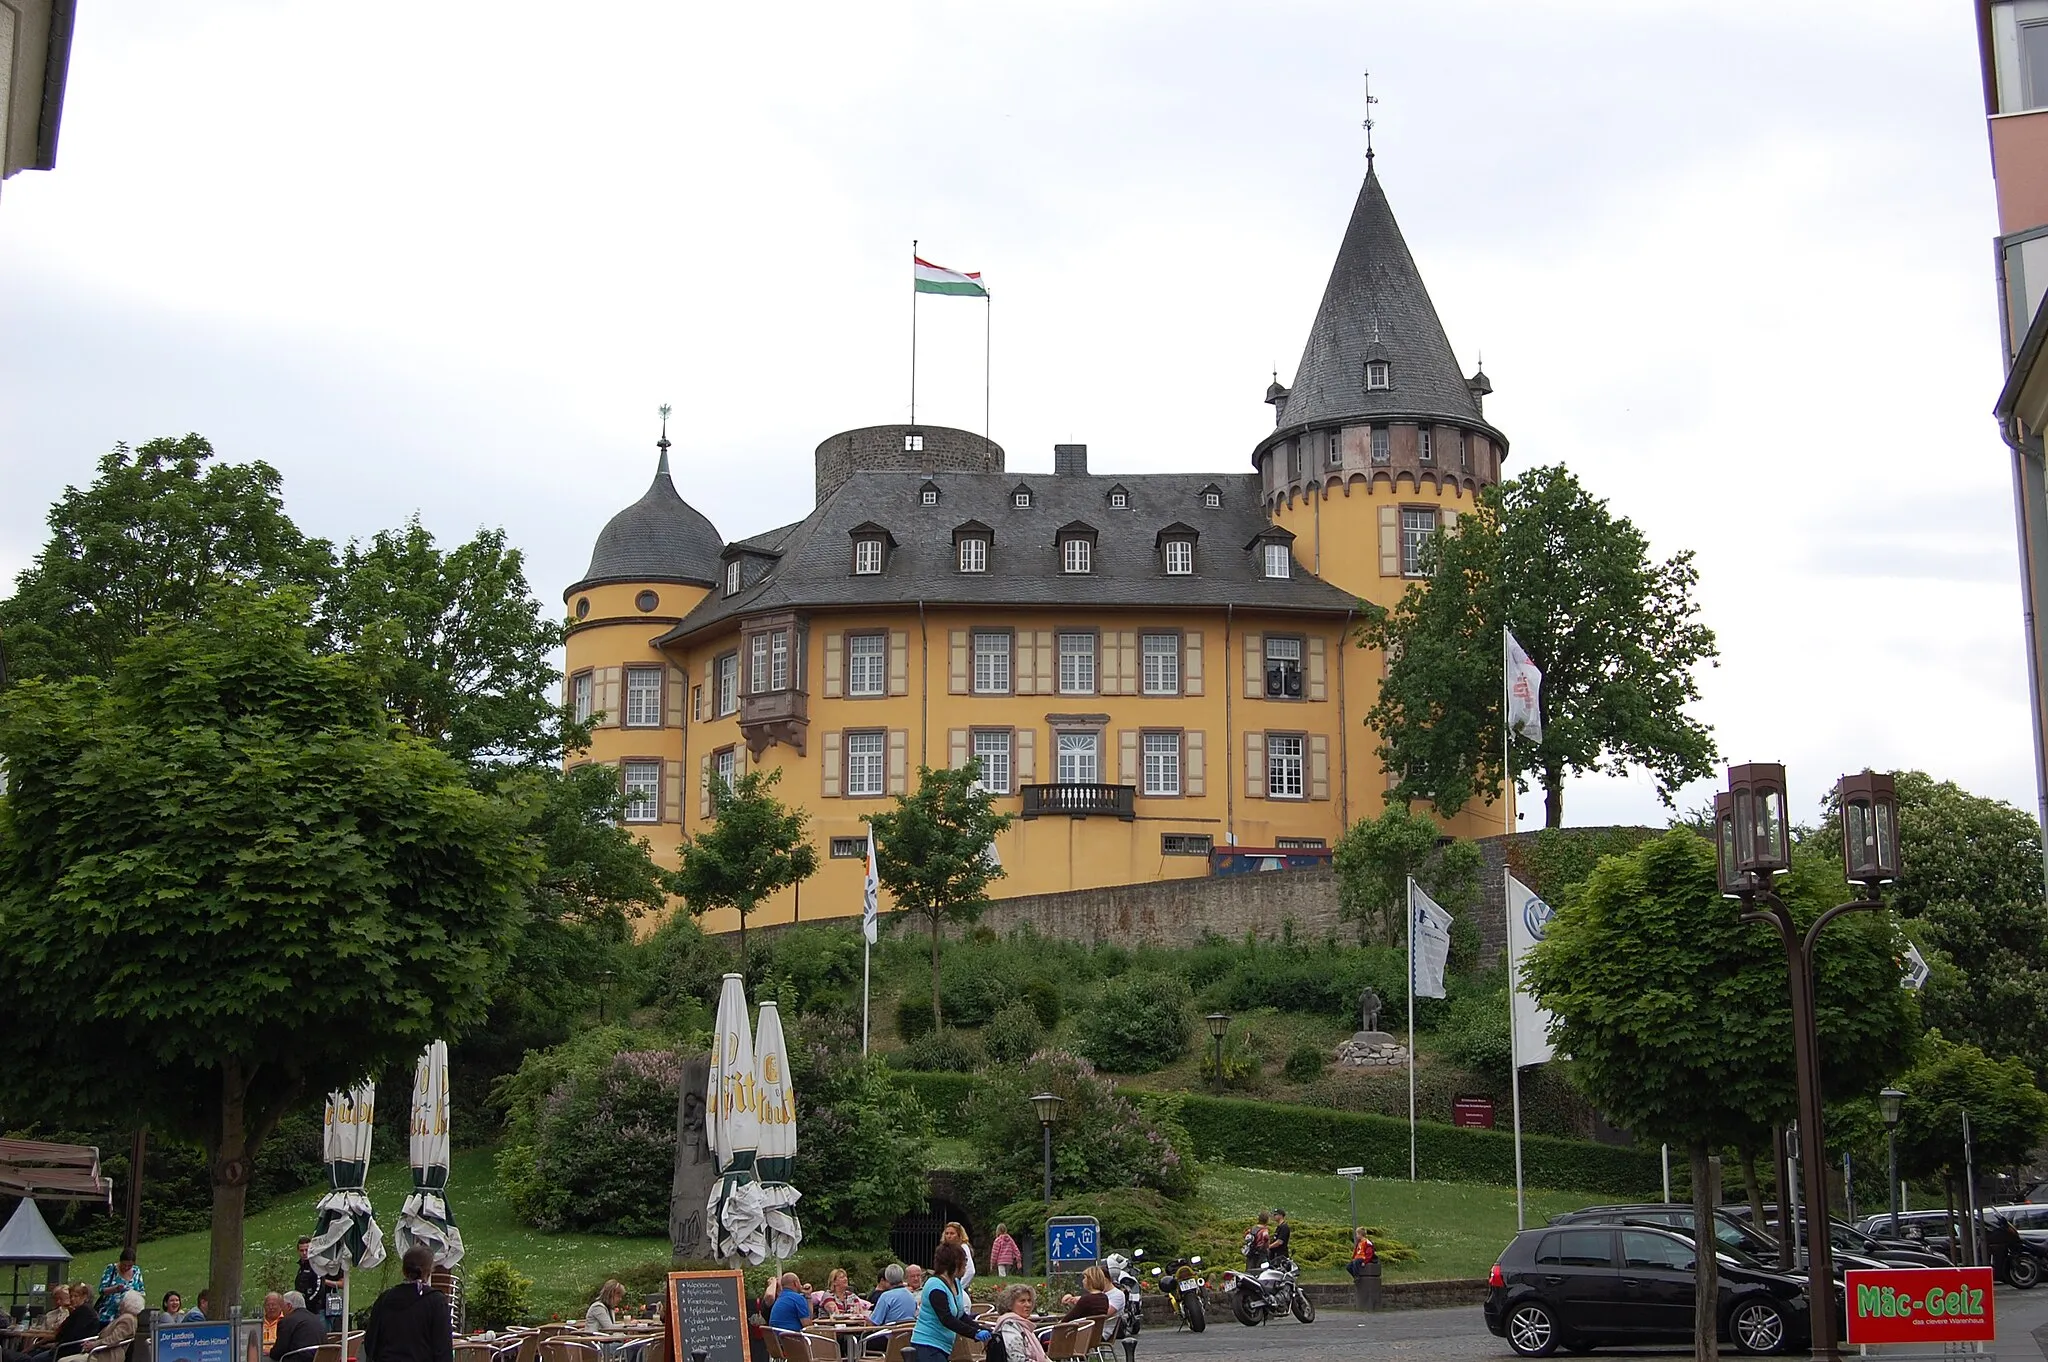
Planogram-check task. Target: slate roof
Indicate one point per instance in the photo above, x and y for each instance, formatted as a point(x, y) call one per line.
point(816, 568)
point(1375, 307)
point(27, 1238)
point(659, 538)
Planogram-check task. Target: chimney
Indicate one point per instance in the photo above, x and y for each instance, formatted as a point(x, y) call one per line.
point(1070, 461)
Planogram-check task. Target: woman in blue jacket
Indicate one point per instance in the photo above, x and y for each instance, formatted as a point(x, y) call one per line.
point(943, 1311)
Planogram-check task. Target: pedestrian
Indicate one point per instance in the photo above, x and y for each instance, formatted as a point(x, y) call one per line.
point(1276, 1248)
point(1004, 1254)
point(1256, 1240)
point(117, 1281)
point(411, 1322)
point(956, 1233)
point(943, 1311)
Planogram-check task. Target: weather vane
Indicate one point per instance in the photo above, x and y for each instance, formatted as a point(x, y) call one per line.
point(1370, 100)
point(662, 443)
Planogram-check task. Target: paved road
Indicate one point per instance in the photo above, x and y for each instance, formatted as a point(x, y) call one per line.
point(1456, 1334)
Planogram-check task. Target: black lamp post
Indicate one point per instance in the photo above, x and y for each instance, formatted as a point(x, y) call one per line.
point(1219, 1023)
point(1047, 1105)
point(1752, 847)
point(1890, 1105)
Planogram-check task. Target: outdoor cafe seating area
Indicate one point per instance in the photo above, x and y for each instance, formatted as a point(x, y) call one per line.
point(844, 1341)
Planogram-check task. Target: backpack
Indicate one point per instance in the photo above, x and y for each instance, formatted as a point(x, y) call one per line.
point(995, 1350)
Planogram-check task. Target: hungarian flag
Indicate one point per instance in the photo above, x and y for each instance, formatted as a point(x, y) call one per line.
point(930, 278)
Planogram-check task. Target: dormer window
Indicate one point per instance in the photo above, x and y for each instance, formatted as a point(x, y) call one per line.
point(1119, 499)
point(1376, 374)
point(1077, 548)
point(1021, 498)
point(1212, 496)
point(971, 545)
point(1279, 562)
point(1424, 447)
point(1180, 557)
point(913, 443)
point(867, 557)
point(732, 578)
point(928, 495)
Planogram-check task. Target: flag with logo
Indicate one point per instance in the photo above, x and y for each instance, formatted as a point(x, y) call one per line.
point(1429, 946)
point(1524, 692)
point(1528, 919)
point(870, 892)
point(1916, 971)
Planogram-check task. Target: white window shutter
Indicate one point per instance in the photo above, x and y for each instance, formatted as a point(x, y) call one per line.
point(1318, 687)
point(1127, 756)
point(957, 642)
point(835, 666)
point(1191, 663)
point(704, 786)
point(956, 747)
point(899, 750)
point(1254, 666)
point(1194, 773)
point(677, 698)
point(829, 765)
point(1318, 766)
point(899, 662)
point(671, 792)
point(1027, 756)
point(1390, 541)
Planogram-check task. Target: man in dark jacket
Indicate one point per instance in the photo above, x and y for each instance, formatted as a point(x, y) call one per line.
point(298, 1333)
point(411, 1321)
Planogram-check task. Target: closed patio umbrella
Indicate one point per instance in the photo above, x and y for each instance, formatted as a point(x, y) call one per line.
point(736, 1217)
point(775, 1106)
point(425, 1218)
point(346, 1236)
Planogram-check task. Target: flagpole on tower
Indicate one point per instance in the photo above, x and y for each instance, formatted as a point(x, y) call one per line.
point(988, 335)
point(1507, 775)
point(913, 356)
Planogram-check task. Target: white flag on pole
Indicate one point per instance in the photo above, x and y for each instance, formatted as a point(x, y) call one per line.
point(1524, 693)
point(1432, 942)
point(1528, 919)
point(870, 888)
point(1916, 968)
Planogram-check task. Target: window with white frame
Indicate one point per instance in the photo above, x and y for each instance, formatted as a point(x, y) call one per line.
point(1336, 451)
point(1180, 557)
point(1382, 444)
point(1283, 766)
point(1376, 374)
point(1162, 763)
point(643, 791)
point(929, 496)
point(725, 767)
point(1078, 758)
point(728, 683)
point(867, 556)
point(1464, 449)
point(1077, 664)
point(974, 554)
point(1161, 654)
point(1425, 448)
point(992, 750)
point(991, 663)
point(913, 443)
point(757, 664)
point(1119, 500)
point(1021, 499)
point(1075, 554)
point(1417, 525)
point(1279, 563)
point(1212, 500)
point(866, 764)
point(732, 578)
point(778, 660)
point(867, 665)
point(582, 695)
point(1283, 668)
point(1293, 460)
point(643, 697)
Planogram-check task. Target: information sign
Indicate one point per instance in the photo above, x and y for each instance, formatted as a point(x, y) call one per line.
point(1926, 1305)
point(707, 1313)
point(1072, 1239)
point(210, 1342)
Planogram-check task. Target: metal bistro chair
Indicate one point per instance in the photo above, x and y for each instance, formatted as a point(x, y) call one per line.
point(798, 1346)
point(1103, 1348)
point(1069, 1342)
point(899, 1340)
point(473, 1352)
point(561, 1349)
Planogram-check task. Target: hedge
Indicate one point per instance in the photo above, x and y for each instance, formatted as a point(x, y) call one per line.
point(1294, 1139)
point(943, 1094)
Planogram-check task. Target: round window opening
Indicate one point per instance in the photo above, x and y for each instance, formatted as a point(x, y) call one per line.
point(646, 600)
point(582, 607)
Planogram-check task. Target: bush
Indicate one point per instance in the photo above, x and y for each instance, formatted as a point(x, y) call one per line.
point(946, 1051)
point(974, 985)
point(942, 1095)
point(1132, 1219)
point(1476, 1034)
point(913, 1017)
point(1137, 1023)
point(1304, 1063)
point(494, 1296)
point(1550, 1105)
point(1044, 997)
point(1104, 1141)
point(1012, 1035)
point(1239, 1063)
point(582, 1157)
point(864, 1142)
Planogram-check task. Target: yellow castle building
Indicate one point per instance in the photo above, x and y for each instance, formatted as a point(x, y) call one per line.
point(1155, 671)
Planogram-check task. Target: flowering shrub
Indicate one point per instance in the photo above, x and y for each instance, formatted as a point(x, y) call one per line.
point(595, 1149)
point(1101, 1140)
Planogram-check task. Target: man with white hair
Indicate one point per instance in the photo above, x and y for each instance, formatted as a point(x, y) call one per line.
point(299, 1332)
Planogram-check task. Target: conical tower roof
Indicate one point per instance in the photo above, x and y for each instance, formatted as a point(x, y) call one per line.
point(27, 1238)
point(659, 538)
point(1375, 308)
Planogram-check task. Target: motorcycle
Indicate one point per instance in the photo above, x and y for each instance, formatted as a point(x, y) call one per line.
point(2025, 1260)
point(1124, 1277)
point(1275, 1290)
point(1182, 1285)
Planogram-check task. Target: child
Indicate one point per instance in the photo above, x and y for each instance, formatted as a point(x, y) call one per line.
point(1004, 1254)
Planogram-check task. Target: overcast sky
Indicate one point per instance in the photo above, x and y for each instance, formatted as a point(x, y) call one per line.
point(1729, 261)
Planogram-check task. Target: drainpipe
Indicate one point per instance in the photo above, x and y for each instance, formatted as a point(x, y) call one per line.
point(1230, 747)
point(924, 689)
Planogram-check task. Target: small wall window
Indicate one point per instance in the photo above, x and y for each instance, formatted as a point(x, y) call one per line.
point(1336, 450)
point(1376, 374)
point(1162, 764)
point(1425, 448)
point(1119, 500)
point(1464, 448)
point(643, 791)
point(1283, 766)
point(1300, 844)
point(725, 771)
point(974, 555)
point(991, 664)
point(867, 556)
point(1021, 499)
point(1417, 525)
point(1077, 664)
point(866, 665)
point(1293, 460)
point(1382, 445)
point(646, 602)
point(643, 697)
point(732, 578)
point(849, 848)
point(1161, 663)
point(1180, 557)
point(1076, 554)
point(1283, 668)
point(929, 496)
point(1212, 499)
point(1184, 843)
point(1279, 562)
point(728, 684)
point(582, 691)
point(913, 443)
point(866, 764)
point(992, 749)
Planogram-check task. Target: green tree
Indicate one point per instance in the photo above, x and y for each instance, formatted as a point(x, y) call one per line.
point(1375, 858)
point(755, 846)
point(461, 647)
point(160, 533)
point(933, 852)
point(1970, 877)
point(2008, 1114)
point(1615, 634)
point(1103, 1139)
point(228, 881)
point(1676, 1014)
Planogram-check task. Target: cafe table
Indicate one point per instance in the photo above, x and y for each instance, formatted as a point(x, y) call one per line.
point(848, 1333)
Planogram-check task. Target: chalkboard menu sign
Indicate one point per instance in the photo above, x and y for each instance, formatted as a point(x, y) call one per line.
point(707, 1313)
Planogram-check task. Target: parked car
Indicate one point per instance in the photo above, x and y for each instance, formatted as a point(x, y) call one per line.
point(1843, 1237)
point(1934, 1230)
point(1586, 1285)
point(1732, 1233)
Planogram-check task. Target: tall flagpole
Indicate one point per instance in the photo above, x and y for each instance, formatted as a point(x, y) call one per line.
point(865, 948)
point(913, 346)
point(1507, 776)
point(1411, 1028)
point(988, 333)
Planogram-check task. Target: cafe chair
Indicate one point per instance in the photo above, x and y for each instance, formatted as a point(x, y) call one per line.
point(560, 1349)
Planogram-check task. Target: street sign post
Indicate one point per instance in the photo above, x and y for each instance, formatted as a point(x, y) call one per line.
point(1351, 1175)
point(1072, 1240)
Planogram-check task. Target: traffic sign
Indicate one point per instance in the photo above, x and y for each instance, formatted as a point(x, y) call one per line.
point(1073, 1239)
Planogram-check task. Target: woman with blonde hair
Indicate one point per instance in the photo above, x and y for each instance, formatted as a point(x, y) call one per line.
point(1093, 1300)
point(956, 1233)
point(602, 1317)
point(838, 1298)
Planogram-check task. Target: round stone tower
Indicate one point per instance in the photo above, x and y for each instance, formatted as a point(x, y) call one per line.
point(902, 449)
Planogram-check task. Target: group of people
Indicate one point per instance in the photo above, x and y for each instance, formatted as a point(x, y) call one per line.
point(1266, 1241)
point(79, 1328)
point(411, 1322)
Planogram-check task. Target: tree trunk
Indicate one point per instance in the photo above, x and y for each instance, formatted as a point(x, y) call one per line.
point(1752, 1183)
point(229, 1163)
point(743, 909)
point(1706, 1276)
point(937, 1020)
point(1553, 796)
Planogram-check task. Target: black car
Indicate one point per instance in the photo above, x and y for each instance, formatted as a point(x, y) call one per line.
point(1584, 1286)
point(1732, 1233)
point(1862, 1242)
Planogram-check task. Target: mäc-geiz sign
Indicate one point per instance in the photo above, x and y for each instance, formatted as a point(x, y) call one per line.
point(1920, 1305)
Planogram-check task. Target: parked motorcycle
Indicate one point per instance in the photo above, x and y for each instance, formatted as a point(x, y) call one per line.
point(2025, 1261)
point(1274, 1290)
point(1123, 1276)
point(1182, 1285)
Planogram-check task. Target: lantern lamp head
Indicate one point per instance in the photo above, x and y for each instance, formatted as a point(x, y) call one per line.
point(1731, 881)
point(1219, 1022)
point(1047, 1105)
point(1890, 1104)
point(1870, 828)
point(1763, 845)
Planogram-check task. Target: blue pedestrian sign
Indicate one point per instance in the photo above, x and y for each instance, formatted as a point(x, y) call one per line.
point(1073, 1239)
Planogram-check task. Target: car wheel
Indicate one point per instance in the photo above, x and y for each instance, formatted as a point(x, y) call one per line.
point(1531, 1330)
point(2023, 1270)
point(1757, 1326)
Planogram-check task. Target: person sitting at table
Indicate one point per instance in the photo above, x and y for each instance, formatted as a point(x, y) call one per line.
point(76, 1333)
point(200, 1305)
point(299, 1331)
point(172, 1310)
point(601, 1316)
point(896, 1305)
point(837, 1299)
point(792, 1308)
point(1015, 1326)
point(60, 1307)
point(119, 1332)
point(1094, 1297)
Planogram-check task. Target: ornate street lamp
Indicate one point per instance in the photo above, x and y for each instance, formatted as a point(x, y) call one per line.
point(1047, 1105)
point(1891, 1105)
point(1219, 1023)
point(1870, 838)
